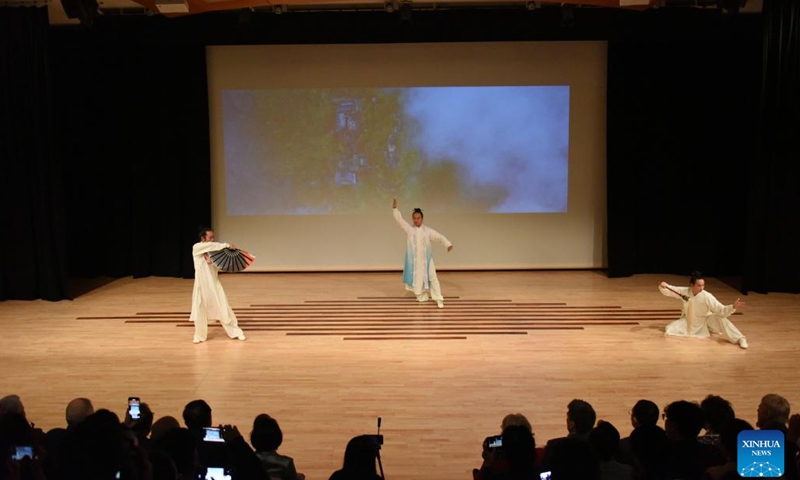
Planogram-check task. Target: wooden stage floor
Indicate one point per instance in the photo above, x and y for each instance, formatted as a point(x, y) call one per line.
point(327, 353)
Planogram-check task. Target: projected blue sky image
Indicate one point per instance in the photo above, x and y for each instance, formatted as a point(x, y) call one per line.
point(350, 151)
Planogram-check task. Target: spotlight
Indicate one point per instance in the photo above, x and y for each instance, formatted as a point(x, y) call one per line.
point(390, 7)
point(531, 5)
point(278, 9)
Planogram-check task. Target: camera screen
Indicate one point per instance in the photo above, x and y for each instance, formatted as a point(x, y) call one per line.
point(216, 473)
point(133, 408)
point(494, 442)
point(213, 435)
point(545, 476)
point(22, 452)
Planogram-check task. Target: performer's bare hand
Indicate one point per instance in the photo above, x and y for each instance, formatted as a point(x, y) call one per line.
point(664, 285)
point(449, 248)
point(738, 304)
point(394, 203)
point(232, 247)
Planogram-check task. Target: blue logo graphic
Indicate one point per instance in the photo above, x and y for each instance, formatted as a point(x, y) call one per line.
point(760, 453)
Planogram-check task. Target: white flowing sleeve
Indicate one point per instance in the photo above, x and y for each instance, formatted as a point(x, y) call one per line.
point(439, 238)
point(201, 248)
point(714, 306)
point(398, 217)
point(680, 290)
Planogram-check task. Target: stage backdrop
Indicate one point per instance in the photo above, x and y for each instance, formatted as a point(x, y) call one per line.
point(501, 144)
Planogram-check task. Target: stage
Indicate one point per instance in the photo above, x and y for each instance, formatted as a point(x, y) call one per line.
point(328, 353)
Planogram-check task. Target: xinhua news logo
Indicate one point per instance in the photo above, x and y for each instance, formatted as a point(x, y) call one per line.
point(760, 453)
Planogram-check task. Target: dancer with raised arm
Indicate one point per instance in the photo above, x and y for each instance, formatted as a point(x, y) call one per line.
point(208, 298)
point(419, 271)
point(702, 312)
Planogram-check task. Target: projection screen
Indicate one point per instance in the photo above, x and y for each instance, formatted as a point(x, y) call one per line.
point(502, 145)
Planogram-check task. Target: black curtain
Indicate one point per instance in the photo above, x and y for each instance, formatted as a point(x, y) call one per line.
point(773, 215)
point(682, 134)
point(32, 258)
point(121, 182)
point(134, 139)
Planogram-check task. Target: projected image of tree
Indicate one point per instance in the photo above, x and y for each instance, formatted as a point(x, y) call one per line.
point(477, 149)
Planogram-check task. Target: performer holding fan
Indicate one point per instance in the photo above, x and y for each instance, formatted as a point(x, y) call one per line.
point(208, 298)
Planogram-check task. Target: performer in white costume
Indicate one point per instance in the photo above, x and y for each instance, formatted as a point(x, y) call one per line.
point(702, 313)
point(419, 271)
point(208, 298)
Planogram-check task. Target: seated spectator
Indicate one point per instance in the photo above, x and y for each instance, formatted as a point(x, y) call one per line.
point(495, 461)
point(180, 447)
point(717, 412)
point(233, 452)
point(162, 426)
point(520, 451)
point(77, 411)
point(649, 446)
point(580, 421)
point(645, 412)
point(141, 426)
point(265, 438)
point(688, 459)
point(359, 460)
point(773, 412)
point(16, 432)
point(604, 439)
point(729, 435)
point(101, 448)
point(573, 459)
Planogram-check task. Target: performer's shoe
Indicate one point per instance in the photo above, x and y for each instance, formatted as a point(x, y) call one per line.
point(241, 337)
point(440, 303)
point(423, 297)
point(196, 341)
point(743, 342)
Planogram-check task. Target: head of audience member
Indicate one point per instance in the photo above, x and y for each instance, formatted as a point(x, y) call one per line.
point(773, 412)
point(717, 412)
point(98, 448)
point(649, 446)
point(574, 459)
point(516, 419)
point(520, 451)
point(604, 439)
point(645, 412)
point(162, 426)
point(180, 445)
point(103, 416)
point(266, 435)
point(683, 420)
point(11, 404)
point(144, 424)
point(360, 456)
point(77, 411)
point(580, 417)
point(197, 415)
